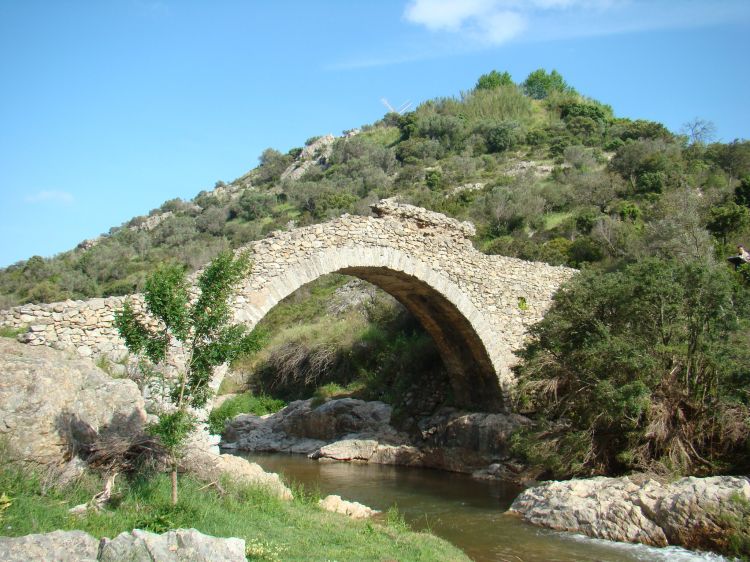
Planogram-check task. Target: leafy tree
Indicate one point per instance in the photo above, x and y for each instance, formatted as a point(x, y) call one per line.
point(726, 219)
point(203, 331)
point(493, 79)
point(645, 368)
point(539, 84)
point(733, 158)
point(742, 192)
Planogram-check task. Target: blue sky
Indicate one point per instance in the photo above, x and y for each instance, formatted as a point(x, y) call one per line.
point(109, 108)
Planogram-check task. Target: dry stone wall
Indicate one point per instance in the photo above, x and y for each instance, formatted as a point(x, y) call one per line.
point(478, 308)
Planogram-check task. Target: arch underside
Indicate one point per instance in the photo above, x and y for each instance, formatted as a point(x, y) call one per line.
point(473, 377)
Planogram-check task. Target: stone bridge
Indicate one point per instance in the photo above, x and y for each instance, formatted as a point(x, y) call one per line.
point(476, 307)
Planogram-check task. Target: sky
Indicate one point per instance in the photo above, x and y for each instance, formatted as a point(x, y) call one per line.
point(109, 108)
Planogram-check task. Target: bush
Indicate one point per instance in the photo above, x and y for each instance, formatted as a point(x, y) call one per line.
point(501, 137)
point(242, 404)
point(641, 369)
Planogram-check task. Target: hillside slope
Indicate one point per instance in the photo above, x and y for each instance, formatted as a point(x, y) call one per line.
point(654, 333)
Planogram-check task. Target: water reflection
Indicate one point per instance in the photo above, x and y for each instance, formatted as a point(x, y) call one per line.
point(469, 513)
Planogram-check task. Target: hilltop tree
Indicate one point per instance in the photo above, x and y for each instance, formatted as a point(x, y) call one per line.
point(203, 331)
point(493, 79)
point(539, 84)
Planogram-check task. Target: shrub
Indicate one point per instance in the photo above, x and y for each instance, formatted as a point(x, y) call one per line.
point(242, 404)
point(641, 369)
point(501, 137)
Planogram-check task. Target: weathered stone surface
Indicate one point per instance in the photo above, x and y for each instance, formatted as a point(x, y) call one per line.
point(355, 510)
point(354, 430)
point(181, 545)
point(57, 546)
point(51, 401)
point(213, 467)
point(348, 450)
point(620, 509)
point(476, 307)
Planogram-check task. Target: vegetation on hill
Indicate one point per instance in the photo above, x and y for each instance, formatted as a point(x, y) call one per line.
point(642, 359)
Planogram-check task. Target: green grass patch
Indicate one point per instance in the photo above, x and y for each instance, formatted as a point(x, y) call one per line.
point(551, 220)
point(273, 529)
point(8, 332)
point(384, 136)
point(243, 404)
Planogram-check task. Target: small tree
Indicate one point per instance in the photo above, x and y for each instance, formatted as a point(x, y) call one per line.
point(538, 85)
point(203, 330)
point(493, 79)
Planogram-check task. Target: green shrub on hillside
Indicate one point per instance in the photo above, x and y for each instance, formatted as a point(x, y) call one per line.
point(644, 368)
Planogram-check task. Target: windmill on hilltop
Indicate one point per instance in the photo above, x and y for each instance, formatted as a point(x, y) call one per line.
point(401, 110)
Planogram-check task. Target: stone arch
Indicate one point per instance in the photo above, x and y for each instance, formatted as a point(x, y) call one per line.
point(472, 356)
point(478, 308)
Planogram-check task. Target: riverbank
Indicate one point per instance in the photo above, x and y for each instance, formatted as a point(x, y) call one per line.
point(275, 529)
point(470, 513)
point(348, 429)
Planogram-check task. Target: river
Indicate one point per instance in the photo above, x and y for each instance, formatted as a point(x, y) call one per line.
point(467, 512)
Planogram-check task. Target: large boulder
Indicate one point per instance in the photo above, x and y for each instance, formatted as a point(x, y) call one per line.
point(186, 545)
point(304, 426)
point(51, 402)
point(348, 429)
point(180, 545)
point(57, 546)
point(631, 509)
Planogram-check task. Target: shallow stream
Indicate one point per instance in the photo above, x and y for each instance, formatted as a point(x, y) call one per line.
point(465, 511)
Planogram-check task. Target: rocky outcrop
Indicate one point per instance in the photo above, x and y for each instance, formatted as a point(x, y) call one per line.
point(317, 152)
point(629, 509)
point(355, 510)
point(57, 546)
point(51, 403)
point(173, 546)
point(181, 545)
point(348, 429)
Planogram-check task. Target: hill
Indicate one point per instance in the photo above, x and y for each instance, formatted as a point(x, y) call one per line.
point(655, 332)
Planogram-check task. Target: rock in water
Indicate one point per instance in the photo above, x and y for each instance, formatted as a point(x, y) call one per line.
point(51, 401)
point(685, 512)
point(58, 546)
point(355, 510)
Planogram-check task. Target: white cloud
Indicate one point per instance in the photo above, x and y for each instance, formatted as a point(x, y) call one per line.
point(52, 196)
point(488, 21)
point(495, 22)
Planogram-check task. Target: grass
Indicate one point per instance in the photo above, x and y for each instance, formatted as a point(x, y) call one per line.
point(243, 404)
point(551, 220)
point(384, 136)
point(7, 332)
point(273, 529)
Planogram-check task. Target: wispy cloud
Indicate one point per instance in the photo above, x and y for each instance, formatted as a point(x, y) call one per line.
point(53, 196)
point(488, 23)
point(459, 27)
